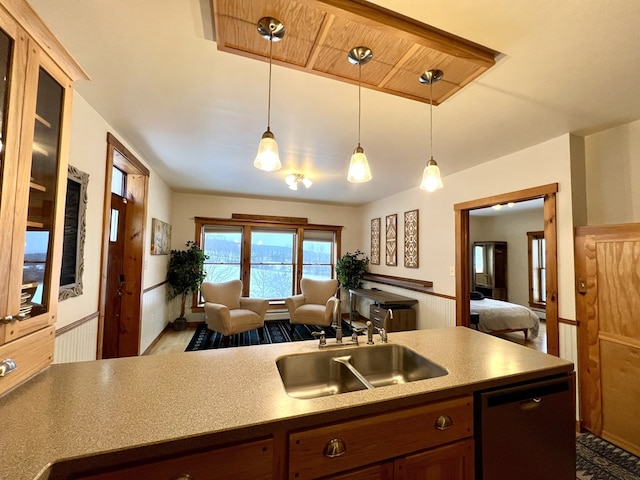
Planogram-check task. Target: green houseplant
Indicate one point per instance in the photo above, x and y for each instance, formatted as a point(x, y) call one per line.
point(351, 268)
point(185, 274)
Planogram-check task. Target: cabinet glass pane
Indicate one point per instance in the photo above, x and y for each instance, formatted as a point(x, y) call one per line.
point(6, 47)
point(42, 196)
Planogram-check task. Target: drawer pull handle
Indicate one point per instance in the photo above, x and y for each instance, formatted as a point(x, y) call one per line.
point(335, 448)
point(183, 476)
point(444, 422)
point(531, 404)
point(7, 366)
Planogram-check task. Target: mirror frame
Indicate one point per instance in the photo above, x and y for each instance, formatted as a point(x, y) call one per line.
point(76, 228)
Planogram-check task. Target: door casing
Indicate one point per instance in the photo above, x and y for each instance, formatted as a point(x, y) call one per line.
point(137, 191)
point(463, 254)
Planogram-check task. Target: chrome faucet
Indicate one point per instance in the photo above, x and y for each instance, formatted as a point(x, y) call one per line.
point(337, 319)
point(383, 335)
point(369, 332)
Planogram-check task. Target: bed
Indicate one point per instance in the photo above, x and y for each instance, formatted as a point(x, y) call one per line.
point(497, 316)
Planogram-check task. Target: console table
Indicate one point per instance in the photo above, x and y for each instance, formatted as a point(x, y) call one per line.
point(389, 311)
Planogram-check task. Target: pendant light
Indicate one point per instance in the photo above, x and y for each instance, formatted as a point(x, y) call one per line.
point(267, 159)
point(431, 180)
point(359, 171)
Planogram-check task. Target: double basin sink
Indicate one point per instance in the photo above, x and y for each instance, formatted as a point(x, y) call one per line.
point(349, 369)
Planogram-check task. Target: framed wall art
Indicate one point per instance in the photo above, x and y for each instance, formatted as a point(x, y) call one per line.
point(411, 239)
point(161, 239)
point(75, 211)
point(375, 241)
point(392, 239)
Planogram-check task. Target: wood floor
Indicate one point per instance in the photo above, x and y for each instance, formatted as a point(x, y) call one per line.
point(171, 341)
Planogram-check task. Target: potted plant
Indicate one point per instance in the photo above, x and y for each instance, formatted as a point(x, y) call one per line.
point(185, 274)
point(350, 269)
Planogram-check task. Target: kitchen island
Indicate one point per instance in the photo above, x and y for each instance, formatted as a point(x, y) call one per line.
point(91, 416)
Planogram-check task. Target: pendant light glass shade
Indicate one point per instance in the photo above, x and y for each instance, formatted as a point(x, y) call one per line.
point(431, 180)
point(359, 171)
point(268, 158)
point(295, 179)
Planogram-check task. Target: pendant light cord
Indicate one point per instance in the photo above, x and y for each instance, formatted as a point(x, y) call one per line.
point(269, 102)
point(431, 116)
point(359, 97)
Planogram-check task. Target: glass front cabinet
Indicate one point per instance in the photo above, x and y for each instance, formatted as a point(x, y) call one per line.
point(35, 100)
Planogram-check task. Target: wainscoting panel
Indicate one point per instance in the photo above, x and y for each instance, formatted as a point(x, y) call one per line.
point(436, 311)
point(78, 344)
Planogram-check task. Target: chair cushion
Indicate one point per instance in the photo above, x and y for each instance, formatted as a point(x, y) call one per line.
point(318, 291)
point(310, 314)
point(224, 293)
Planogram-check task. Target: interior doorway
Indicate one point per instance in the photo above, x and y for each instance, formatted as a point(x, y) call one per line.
point(463, 255)
point(124, 220)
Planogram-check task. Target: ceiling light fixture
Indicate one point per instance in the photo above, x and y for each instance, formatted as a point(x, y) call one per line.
point(296, 179)
point(359, 171)
point(267, 159)
point(431, 180)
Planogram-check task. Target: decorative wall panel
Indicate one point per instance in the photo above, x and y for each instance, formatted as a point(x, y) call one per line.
point(375, 241)
point(392, 239)
point(411, 239)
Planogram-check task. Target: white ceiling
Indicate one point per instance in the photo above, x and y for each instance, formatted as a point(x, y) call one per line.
point(196, 115)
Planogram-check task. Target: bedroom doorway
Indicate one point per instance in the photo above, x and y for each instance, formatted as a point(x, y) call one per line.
point(463, 254)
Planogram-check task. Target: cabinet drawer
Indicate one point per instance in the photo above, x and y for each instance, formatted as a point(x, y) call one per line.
point(379, 437)
point(247, 461)
point(30, 354)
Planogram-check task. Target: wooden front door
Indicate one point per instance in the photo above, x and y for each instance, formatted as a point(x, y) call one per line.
point(608, 309)
point(114, 326)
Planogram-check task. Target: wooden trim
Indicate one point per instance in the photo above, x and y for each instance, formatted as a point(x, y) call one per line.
point(463, 254)
point(407, 283)
point(245, 217)
point(138, 166)
point(629, 229)
point(262, 224)
point(153, 287)
point(567, 321)
point(517, 196)
point(77, 323)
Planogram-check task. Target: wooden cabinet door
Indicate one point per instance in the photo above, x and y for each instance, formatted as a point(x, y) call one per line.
point(450, 462)
point(13, 55)
point(608, 302)
point(382, 471)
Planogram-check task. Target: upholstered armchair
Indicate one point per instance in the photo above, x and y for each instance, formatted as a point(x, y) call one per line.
point(315, 305)
point(228, 313)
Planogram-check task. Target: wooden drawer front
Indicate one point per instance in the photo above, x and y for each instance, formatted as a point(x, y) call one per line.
point(379, 437)
point(403, 318)
point(241, 462)
point(30, 353)
point(451, 462)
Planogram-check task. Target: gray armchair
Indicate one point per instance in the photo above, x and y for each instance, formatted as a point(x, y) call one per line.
point(315, 305)
point(228, 313)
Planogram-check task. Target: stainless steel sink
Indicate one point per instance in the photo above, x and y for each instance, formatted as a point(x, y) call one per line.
point(348, 369)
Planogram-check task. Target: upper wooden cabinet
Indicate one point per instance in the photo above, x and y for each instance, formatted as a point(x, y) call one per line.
point(35, 106)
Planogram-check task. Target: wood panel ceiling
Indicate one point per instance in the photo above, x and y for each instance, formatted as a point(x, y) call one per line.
point(320, 33)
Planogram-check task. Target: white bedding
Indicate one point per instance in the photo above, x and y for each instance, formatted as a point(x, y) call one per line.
point(497, 315)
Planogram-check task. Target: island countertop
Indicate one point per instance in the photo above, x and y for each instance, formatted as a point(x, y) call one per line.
point(80, 410)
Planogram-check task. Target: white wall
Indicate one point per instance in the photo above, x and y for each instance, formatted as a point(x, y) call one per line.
point(512, 229)
point(613, 175)
point(87, 152)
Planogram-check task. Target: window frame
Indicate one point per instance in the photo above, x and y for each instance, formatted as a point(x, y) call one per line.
point(541, 271)
point(266, 222)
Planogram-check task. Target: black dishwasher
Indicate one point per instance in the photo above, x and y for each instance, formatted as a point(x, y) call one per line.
point(526, 432)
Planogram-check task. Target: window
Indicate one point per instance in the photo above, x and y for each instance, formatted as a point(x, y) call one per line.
point(118, 180)
point(268, 254)
point(537, 270)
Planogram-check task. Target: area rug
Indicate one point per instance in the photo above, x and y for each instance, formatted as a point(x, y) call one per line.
point(274, 332)
point(597, 459)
